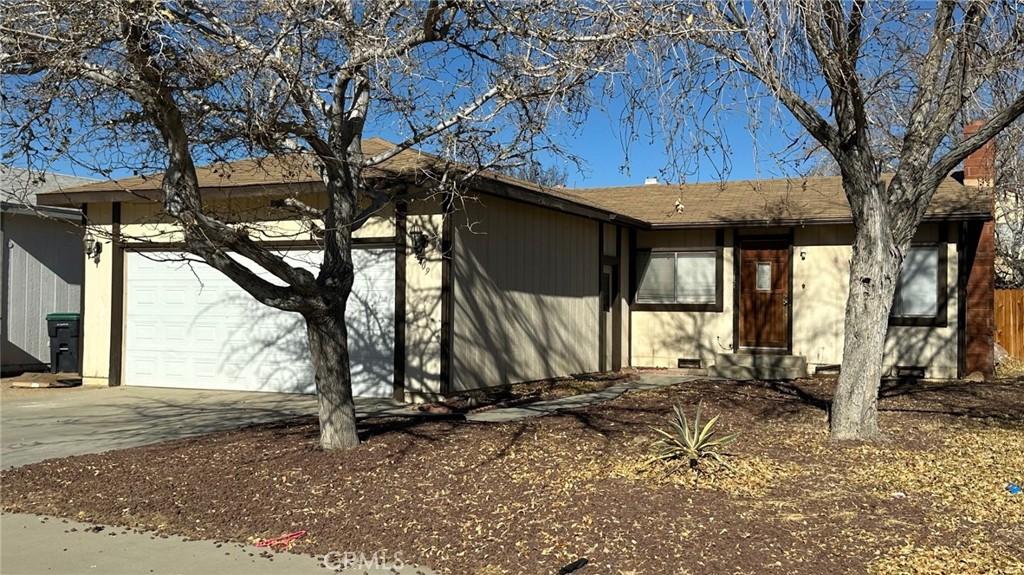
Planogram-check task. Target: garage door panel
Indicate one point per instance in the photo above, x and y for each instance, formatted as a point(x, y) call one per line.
point(370, 318)
point(190, 326)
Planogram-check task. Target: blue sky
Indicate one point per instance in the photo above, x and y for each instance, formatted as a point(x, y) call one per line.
point(599, 143)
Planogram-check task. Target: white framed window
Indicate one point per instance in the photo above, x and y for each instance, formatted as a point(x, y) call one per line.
point(764, 276)
point(685, 277)
point(917, 291)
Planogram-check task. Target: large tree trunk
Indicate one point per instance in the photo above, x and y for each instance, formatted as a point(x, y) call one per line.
point(328, 345)
point(874, 270)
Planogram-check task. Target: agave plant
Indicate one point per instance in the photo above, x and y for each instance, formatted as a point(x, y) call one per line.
point(691, 443)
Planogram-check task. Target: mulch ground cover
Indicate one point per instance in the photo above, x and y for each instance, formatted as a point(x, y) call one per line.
point(519, 394)
point(530, 497)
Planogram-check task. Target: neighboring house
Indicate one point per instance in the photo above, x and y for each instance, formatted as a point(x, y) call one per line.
point(41, 260)
point(537, 283)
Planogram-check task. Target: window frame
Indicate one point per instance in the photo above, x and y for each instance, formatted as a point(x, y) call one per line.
point(941, 317)
point(716, 306)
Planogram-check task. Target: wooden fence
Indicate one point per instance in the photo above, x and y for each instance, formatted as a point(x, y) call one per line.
point(1010, 321)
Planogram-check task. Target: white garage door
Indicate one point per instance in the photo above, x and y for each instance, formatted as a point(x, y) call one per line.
point(187, 325)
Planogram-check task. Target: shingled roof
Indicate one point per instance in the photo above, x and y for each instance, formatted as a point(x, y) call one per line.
point(778, 201)
point(750, 202)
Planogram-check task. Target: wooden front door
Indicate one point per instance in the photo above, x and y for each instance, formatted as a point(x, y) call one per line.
point(764, 294)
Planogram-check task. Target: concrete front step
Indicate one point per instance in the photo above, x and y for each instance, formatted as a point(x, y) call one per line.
point(743, 366)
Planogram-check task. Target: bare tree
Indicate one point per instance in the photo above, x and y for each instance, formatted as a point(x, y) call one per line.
point(162, 84)
point(1009, 207)
point(534, 171)
point(878, 85)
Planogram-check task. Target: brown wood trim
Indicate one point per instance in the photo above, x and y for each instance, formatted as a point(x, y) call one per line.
point(631, 290)
point(962, 268)
point(717, 306)
point(735, 291)
point(81, 295)
point(400, 283)
point(787, 222)
point(633, 283)
point(447, 293)
point(941, 318)
point(601, 327)
point(116, 298)
point(143, 196)
point(702, 307)
point(789, 308)
point(374, 240)
point(617, 305)
point(280, 244)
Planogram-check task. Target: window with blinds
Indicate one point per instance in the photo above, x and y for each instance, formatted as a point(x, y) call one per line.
point(917, 292)
point(677, 278)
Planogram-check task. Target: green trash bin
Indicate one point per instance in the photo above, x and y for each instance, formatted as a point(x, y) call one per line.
point(64, 330)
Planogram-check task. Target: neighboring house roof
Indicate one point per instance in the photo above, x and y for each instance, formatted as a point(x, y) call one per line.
point(751, 202)
point(20, 188)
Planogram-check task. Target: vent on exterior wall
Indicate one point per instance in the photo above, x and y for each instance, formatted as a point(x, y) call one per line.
point(908, 372)
point(827, 369)
point(651, 181)
point(688, 363)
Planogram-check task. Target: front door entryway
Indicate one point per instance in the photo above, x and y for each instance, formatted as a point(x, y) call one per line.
point(764, 294)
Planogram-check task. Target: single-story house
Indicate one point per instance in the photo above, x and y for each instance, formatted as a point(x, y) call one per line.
point(41, 263)
point(522, 282)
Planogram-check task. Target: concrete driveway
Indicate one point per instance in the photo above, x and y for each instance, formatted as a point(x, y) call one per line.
point(42, 424)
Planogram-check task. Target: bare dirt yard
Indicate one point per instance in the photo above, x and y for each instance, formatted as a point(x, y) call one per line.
point(532, 496)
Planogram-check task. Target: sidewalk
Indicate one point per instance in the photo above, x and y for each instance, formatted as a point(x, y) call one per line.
point(33, 545)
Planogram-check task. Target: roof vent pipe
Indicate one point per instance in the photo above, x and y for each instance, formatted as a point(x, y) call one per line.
point(651, 181)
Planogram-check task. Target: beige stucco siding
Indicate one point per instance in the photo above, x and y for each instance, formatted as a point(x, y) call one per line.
point(821, 259)
point(97, 286)
point(145, 221)
point(423, 303)
point(525, 294)
point(820, 269)
point(821, 279)
point(661, 338)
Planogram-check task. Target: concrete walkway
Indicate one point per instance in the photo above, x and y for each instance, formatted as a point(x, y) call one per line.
point(47, 423)
point(34, 545)
point(57, 423)
point(647, 380)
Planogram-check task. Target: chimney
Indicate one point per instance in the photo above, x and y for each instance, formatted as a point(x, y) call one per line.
point(651, 181)
point(980, 167)
point(979, 246)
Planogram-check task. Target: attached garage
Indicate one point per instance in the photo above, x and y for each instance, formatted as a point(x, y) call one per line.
point(187, 325)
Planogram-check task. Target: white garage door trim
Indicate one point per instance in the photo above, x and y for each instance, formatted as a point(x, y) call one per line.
point(187, 325)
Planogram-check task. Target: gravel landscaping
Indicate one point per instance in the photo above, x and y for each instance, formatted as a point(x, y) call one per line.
point(532, 496)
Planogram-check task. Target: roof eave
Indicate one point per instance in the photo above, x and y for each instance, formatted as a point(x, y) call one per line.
point(958, 217)
point(514, 192)
point(75, 199)
point(61, 213)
